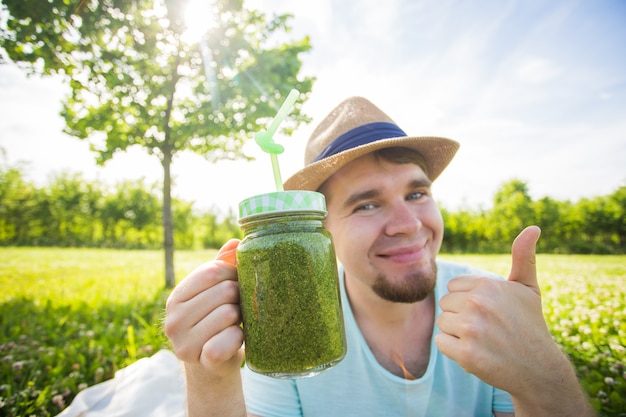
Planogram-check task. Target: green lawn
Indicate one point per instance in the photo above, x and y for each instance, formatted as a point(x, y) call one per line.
point(70, 318)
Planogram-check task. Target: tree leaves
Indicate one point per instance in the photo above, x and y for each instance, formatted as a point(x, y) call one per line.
point(135, 80)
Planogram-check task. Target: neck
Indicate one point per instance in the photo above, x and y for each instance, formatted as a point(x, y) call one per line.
point(398, 334)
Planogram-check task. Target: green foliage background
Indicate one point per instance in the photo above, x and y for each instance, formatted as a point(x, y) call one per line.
point(589, 226)
point(70, 211)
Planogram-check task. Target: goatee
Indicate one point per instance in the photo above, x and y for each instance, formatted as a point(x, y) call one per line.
point(415, 287)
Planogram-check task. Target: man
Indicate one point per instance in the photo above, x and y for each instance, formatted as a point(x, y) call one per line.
point(425, 337)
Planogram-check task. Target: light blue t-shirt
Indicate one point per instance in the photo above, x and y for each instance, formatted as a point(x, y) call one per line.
point(359, 386)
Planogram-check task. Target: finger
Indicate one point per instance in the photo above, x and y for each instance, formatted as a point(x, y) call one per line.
point(462, 283)
point(523, 267)
point(228, 252)
point(466, 355)
point(205, 276)
point(196, 315)
point(459, 326)
point(452, 302)
point(219, 319)
point(208, 274)
point(225, 292)
point(447, 322)
point(224, 346)
point(448, 345)
point(189, 340)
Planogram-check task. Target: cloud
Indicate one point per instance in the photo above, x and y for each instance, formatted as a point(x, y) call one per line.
point(536, 70)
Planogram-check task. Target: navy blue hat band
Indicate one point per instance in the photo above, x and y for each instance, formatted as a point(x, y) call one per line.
point(361, 135)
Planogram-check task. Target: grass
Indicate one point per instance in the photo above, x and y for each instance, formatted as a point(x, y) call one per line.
point(70, 318)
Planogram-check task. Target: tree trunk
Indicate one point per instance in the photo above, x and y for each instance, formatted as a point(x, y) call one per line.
point(168, 224)
point(167, 149)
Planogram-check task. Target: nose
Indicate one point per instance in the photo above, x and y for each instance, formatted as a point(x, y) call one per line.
point(403, 220)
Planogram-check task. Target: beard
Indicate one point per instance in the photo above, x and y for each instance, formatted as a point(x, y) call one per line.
point(415, 287)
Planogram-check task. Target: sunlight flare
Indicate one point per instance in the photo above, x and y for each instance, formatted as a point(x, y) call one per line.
point(198, 20)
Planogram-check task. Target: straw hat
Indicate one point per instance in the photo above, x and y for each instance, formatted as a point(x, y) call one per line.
point(357, 127)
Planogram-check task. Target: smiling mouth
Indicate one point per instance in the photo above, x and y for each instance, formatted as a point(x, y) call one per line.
point(404, 255)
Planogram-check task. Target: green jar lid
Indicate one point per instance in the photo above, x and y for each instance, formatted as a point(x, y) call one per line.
point(282, 201)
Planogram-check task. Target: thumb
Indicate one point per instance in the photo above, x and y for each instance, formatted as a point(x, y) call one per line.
point(523, 267)
point(228, 252)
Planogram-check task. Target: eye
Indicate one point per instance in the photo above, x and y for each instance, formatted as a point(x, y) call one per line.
point(416, 195)
point(365, 207)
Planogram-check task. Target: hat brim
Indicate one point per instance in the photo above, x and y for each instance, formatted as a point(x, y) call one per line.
point(437, 152)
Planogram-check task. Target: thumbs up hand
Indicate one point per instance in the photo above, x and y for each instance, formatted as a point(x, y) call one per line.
point(523, 269)
point(495, 329)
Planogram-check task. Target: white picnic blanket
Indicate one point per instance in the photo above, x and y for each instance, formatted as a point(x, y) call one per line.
point(151, 386)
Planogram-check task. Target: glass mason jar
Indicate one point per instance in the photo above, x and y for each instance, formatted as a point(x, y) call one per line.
point(290, 301)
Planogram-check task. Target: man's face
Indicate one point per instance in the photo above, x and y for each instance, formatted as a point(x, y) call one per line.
point(386, 227)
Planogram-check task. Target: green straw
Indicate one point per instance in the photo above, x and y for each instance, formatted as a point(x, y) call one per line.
point(266, 141)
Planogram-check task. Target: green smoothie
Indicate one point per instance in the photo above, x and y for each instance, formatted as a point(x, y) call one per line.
point(290, 300)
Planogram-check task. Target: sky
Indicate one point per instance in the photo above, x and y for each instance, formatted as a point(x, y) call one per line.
point(533, 90)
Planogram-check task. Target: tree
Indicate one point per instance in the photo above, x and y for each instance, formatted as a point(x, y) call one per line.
point(512, 211)
point(618, 206)
point(70, 205)
point(130, 209)
point(17, 198)
point(549, 216)
point(137, 80)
